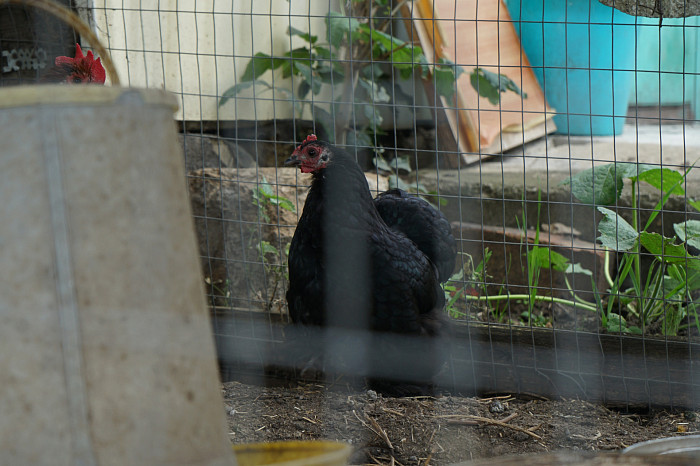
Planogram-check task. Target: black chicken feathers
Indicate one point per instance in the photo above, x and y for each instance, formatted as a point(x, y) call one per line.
point(358, 263)
point(422, 224)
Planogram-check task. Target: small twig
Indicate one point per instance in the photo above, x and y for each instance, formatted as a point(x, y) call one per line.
point(500, 398)
point(537, 427)
point(309, 420)
point(463, 422)
point(361, 421)
point(582, 437)
point(468, 420)
point(392, 411)
point(374, 427)
point(379, 431)
point(430, 453)
point(432, 436)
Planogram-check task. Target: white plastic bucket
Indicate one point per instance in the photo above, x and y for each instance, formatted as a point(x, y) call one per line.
point(106, 352)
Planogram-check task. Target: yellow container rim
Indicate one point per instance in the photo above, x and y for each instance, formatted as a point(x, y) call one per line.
point(293, 453)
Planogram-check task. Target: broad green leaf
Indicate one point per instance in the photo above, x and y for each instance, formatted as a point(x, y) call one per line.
point(601, 185)
point(664, 179)
point(615, 232)
point(662, 247)
point(382, 164)
point(233, 91)
point(303, 89)
point(490, 85)
point(401, 164)
point(578, 268)
point(338, 27)
point(372, 72)
point(373, 115)
point(694, 203)
point(673, 288)
point(445, 63)
point(266, 248)
point(296, 57)
point(445, 75)
point(632, 170)
point(546, 258)
point(689, 232)
point(283, 202)
point(617, 324)
point(402, 55)
point(304, 35)
point(359, 139)
point(617, 318)
point(395, 165)
point(377, 92)
point(396, 182)
point(329, 75)
point(485, 88)
point(386, 43)
point(693, 273)
point(307, 74)
point(324, 53)
point(265, 188)
point(445, 84)
point(260, 63)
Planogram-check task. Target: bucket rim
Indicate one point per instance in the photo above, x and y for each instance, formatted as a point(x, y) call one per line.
point(688, 445)
point(80, 95)
point(320, 452)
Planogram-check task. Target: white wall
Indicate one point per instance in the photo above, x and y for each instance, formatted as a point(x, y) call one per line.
point(198, 49)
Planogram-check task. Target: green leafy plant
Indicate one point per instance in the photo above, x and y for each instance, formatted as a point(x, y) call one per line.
point(491, 85)
point(356, 45)
point(536, 320)
point(275, 267)
point(663, 296)
point(263, 195)
point(273, 261)
point(537, 258)
point(475, 278)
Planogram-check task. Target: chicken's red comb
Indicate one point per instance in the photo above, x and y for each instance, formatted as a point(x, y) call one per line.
point(95, 67)
point(309, 138)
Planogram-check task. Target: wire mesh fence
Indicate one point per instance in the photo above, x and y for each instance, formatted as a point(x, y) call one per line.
point(558, 139)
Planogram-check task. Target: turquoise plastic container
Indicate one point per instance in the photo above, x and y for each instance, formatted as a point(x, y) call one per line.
point(582, 53)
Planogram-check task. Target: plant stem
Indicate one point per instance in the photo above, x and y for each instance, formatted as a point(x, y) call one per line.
point(551, 299)
point(606, 269)
point(638, 247)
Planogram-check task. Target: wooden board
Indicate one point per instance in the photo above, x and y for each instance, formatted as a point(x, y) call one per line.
point(614, 370)
point(482, 37)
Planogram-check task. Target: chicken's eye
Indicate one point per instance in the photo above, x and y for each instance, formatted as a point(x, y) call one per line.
point(312, 152)
point(77, 80)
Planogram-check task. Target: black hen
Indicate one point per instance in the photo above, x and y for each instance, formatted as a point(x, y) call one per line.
point(348, 269)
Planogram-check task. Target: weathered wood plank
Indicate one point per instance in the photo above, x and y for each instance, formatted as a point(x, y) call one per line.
point(614, 370)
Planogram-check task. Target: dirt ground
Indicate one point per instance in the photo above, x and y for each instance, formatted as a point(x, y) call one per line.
point(437, 431)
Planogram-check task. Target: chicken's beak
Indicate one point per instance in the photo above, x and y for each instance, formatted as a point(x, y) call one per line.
point(292, 161)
